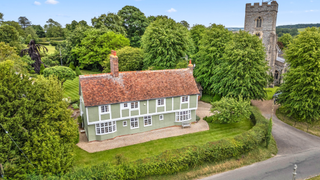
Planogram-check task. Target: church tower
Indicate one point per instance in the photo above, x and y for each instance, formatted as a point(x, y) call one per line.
point(261, 20)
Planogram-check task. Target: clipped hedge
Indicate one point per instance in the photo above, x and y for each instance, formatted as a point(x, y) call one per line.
point(176, 160)
point(44, 43)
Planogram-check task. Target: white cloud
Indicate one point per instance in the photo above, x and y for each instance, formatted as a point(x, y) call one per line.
point(172, 10)
point(37, 3)
point(52, 2)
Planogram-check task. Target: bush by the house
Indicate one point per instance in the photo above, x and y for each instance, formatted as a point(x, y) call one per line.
point(176, 160)
point(216, 97)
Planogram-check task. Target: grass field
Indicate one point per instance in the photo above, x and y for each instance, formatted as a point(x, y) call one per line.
point(51, 49)
point(270, 92)
point(151, 148)
point(71, 88)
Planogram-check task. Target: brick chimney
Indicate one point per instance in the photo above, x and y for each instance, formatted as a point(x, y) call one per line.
point(190, 65)
point(114, 67)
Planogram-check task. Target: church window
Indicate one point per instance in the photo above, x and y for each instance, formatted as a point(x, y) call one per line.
point(258, 34)
point(276, 74)
point(259, 21)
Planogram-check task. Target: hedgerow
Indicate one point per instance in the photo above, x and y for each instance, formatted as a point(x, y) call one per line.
point(176, 160)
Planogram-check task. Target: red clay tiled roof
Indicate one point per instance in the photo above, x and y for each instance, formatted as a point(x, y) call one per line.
point(99, 89)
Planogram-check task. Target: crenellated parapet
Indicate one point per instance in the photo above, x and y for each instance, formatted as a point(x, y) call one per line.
point(265, 6)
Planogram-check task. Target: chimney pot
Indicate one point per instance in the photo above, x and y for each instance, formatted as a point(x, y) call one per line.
point(114, 67)
point(190, 66)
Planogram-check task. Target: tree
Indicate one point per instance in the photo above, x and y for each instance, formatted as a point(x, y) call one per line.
point(71, 27)
point(243, 69)
point(10, 35)
point(61, 72)
point(111, 21)
point(17, 26)
point(42, 68)
point(130, 59)
point(40, 123)
point(30, 31)
point(97, 45)
point(231, 110)
point(9, 53)
point(286, 39)
point(33, 51)
point(269, 133)
point(196, 34)
point(300, 97)
point(24, 22)
point(71, 66)
point(135, 23)
point(1, 17)
point(53, 29)
point(165, 42)
point(78, 72)
point(39, 31)
point(185, 24)
point(211, 50)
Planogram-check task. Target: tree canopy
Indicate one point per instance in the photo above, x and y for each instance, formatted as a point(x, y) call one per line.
point(300, 95)
point(97, 45)
point(24, 22)
point(33, 34)
point(71, 27)
point(39, 31)
point(165, 42)
point(286, 39)
point(9, 53)
point(10, 35)
point(196, 34)
point(1, 16)
point(38, 120)
point(111, 21)
point(243, 69)
point(185, 24)
point(53, 29)
point(61, 72)
point(292, 31)
point(135, 23)
point(17, 26)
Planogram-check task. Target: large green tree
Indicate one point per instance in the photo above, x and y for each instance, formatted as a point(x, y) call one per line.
point(39, 30)
point(71, 27)
point(165, 42)
point(36, 118)
point(243, 69)
point(211, 50)
point(1, 17)
point(185, 24)
point(53, 29)
point(111, 21)
point(196, 34)
point(33, 34)
point(10, 35)
point(9, 53)
point(135, 23)
point(286, 39)
point(24, 22)
point(17, 26)
point(61, 72)
point(96, 46)
point(300, 95)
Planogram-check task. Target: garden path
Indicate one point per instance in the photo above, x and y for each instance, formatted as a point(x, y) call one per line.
point(96, 146)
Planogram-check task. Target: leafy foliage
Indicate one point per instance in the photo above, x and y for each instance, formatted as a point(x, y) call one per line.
point(111, 21)
point(269, 133)
point(243, 70)
point(17, 26)
point(24, 22)
point(34, 115)
point(53, 29)
point(1, 16)
point(185, 24)
point(135, 23)
point(71, 66)
point(292, 31)
point(39, 31)
point(61, 72)
point(10, 35)
point(97, 45)
point(129, 59)
point(231, 110)
point(165, 42)
point(9, 53)
point(30, 31)
point(196, 35)
point(300, 96)
point(42, 68)
point(78, 72)
point(286, 39)
point(211, 50)
point(71, 27)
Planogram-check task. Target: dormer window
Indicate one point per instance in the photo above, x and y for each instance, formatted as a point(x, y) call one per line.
point(259, 22)
point(104, 109)
point(160, 102)
point(184, 99)
point(134, 105)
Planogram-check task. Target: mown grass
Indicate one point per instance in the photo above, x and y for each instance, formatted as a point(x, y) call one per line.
point(315, 178)
point(151, 148)
point(71, 88)
point(261, 153)
point(270, 92)
point(315, 130)
point(51, 49)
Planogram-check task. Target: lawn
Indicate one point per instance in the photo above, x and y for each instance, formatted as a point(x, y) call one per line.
point(151, 148)
point(71, 88)
point(51, 49)
point(271, 91)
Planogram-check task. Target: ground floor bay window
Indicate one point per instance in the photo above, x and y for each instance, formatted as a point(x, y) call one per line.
point(183, 116)
point(106, 128)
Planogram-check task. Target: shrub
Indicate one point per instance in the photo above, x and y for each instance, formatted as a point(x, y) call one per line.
point(78, 72)
point(47, 60)
point(54, 43)
point(269, 133)
point(42, 68)
point(197, 118)
point(44, 43)
point(216, 97)
point(231, 110)
point(75, 106)
point(71, 66)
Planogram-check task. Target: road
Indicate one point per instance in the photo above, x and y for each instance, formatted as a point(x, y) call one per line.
point(295, 147)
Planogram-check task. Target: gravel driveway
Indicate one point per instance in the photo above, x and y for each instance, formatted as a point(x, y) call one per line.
point(295, 147)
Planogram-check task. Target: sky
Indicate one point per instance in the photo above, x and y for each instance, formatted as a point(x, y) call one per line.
point(230, 13)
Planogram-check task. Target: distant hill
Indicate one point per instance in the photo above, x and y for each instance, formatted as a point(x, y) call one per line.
point(234, 28)
point(299, 26)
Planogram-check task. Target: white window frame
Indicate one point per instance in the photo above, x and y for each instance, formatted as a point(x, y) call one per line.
point(135, 119)
point(124, 123)
point(147, 118)
point(161, 105)
point(122, 105)
point(181, 116)
point(135, 108)
point(102, 127)
point(109, 109)
point(161, 119)
point(184, 97)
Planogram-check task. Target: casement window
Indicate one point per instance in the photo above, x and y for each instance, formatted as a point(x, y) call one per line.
point(105, 109)
point(125, 105)
point(134, 123)
point(184, 99)
point(147, 120)
point(183, 116)
point(134, 105)
point(160, 102)
point(124, 123)
point(106, 128)
point(161, 117)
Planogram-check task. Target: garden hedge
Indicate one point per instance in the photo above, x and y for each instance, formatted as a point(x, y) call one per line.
point(172, 161)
